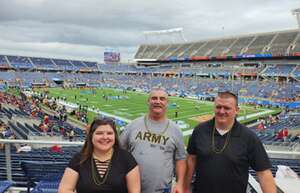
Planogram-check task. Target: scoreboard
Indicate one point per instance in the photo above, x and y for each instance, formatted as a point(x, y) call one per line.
point(111, 56)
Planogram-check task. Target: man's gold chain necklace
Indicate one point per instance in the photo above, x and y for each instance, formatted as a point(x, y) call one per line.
point(147, 128)
point(214, 148)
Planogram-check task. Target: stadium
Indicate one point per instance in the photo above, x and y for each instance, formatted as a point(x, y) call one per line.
point(47, 103)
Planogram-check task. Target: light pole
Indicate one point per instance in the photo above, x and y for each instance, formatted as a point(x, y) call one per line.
point(296, 12)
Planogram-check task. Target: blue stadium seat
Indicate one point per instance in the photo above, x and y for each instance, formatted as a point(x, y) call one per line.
point(43, 171)
point(46, 187)
point(4, 185)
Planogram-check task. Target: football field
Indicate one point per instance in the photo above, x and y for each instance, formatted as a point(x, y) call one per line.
point(128, 105)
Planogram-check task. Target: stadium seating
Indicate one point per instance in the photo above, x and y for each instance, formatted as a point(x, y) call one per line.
point(281, 43)
point(194, 48)
point(45, 174)
point(168, 53)
point(292, 163)
point(159, 50)
point(279, 70)
point(43, 63)
point(276, 43)
point(140, 51)
point(4, 185)
point(3, 62)
point(64, 64)
point(78, 64)
point(37, 160)
point(296, 45)
point(183, 51)
point(239, 45)
point(46, 187)
point(207, 48)
point(260, 42)
point(284, 91)
point(296, 72)
point(147, 52)
point(222, 47)
point(91, 65)
point(20, 62)
point(7, 76)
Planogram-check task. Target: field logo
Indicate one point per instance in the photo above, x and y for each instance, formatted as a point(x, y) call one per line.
point(202, 118)
point(182, 125)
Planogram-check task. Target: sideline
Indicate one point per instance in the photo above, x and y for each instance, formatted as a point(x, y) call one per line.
point(97, 111)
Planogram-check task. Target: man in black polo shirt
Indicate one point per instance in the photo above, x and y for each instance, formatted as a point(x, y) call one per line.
point(221, 151)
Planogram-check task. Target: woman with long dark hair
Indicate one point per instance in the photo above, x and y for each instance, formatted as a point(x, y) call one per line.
point(101, 166)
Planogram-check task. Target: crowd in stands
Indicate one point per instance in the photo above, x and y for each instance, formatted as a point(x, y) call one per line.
point(80, 113)
point(187, 79)
point(284, 127)
point(56, 124)
point(49, 124)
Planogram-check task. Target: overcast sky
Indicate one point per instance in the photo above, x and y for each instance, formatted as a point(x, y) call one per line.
point(82, 29)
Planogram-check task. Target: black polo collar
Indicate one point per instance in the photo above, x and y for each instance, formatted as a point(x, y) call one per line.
point(236, 129)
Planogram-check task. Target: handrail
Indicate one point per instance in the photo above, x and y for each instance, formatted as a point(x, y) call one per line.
point(18, 141)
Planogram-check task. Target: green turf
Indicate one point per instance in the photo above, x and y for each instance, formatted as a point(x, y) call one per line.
point(134, 104)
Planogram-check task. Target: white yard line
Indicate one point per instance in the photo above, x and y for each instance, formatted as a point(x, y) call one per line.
point(96, 111)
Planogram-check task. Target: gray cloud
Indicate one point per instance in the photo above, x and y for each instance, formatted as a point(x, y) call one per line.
point(82, 29)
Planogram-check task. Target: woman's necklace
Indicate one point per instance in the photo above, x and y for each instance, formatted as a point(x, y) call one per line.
point(163, 131)
point(95, 173)
point(214, 148)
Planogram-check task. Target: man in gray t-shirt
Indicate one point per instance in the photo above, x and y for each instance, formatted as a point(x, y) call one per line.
point(157, 145)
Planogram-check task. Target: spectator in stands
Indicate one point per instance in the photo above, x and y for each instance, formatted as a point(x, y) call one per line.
point(24, 148)
point(280, 134)
point(46, 119)
point(43, 127)
point(62, 131)
point(71, 135)
point(55, 149)
point(2, 126)
point(261, 126)
point(1, 144)
point(7, 133)
point(65, 116)
point(101, 166)
point(221, 150)
point(157, 144)
point(285, 133)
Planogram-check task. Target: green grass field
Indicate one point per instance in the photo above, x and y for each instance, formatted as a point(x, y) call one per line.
point(133, 104)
